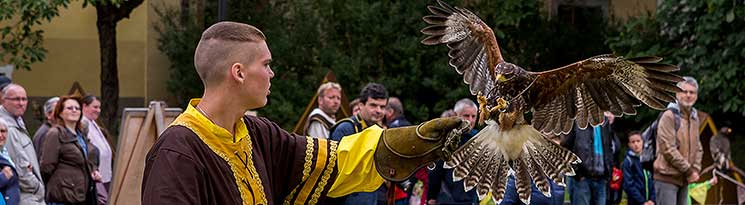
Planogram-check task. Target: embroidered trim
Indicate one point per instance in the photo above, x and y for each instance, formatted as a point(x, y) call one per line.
point(241, 182)
point(252, 170)
point(321, 162)
point(306, 168)
point(326, 174)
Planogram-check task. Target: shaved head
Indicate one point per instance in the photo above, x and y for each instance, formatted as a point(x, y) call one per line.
point(222, 45)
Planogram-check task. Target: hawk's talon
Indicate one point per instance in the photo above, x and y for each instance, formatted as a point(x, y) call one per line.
point(501, 106)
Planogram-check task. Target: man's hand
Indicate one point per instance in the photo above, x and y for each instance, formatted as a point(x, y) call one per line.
point(649, 203)
point(8, 172)
point(432, 202)
point(693, 177)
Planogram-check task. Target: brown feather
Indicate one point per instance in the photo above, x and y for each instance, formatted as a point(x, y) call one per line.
point(439, 11)
point(646, 59)
point(500, 183)
point(522, 180)
point(660, 67)
point(434, 19)
point(598, 84)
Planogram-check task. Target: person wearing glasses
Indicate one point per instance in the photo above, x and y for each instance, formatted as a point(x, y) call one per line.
point(9, 187)
point(19, 144)
point(69, 161)
point(679, 149)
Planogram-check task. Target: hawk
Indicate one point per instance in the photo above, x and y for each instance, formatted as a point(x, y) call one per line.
point(579, 92)
point(720, 149)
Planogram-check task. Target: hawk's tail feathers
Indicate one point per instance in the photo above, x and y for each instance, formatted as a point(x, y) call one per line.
point(484, 162)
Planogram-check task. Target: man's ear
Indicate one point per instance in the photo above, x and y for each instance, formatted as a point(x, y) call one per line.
point(236, 72)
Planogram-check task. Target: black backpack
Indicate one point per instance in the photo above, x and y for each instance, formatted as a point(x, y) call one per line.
point(649, 137)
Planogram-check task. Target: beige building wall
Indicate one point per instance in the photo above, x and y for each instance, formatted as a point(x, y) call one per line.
point(73, 55)
point(619, 10)
point(623, 9)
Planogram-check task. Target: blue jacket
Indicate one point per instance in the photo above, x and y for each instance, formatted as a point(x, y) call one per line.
point(9, 187)
point(637, 182)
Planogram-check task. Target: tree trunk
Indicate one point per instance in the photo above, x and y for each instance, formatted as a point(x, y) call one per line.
point(109, 70)
point(108, 16)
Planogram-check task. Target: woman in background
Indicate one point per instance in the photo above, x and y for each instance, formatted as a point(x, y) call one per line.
point(68, 163)
point(11, 192)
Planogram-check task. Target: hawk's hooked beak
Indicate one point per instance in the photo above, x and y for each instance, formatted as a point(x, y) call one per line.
point(501, 78)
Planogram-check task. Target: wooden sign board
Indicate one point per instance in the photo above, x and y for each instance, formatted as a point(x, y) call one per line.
point(139, 130)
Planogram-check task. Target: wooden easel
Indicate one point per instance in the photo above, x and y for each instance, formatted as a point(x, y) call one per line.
point(139, 130)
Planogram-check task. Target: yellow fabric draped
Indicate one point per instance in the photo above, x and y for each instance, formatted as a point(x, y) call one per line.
point(356, 163)
point(234, 149)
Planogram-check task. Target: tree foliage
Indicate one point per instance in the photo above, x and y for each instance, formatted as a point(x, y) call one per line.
point(21, 43)
point(705, 38)
point(377, 41)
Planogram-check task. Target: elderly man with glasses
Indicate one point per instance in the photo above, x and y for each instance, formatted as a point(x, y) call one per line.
point(679, 149)
point(19, 144)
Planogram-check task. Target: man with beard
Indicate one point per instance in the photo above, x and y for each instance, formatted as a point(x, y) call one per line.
point(323, 118)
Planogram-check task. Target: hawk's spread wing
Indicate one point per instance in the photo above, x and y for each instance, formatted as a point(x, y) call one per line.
point(582, 91)
point(474, 52)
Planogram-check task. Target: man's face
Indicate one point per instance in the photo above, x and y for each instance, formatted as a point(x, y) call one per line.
point(256, 73)
point(373, 110)
point(3, 135)
point(689, 95)
point(91, 111)
point(330, 101)
point(635, 143)
point(15, 101)
point(469, 114)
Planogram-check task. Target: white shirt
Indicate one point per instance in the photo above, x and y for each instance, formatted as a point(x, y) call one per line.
point(95, 135)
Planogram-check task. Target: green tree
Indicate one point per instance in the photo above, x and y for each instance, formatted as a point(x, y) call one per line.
point(704, 38)
point(108, 14)
point(377, 41)
point(22, 45)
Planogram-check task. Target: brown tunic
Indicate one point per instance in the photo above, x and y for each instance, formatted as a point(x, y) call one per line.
point(182, 169)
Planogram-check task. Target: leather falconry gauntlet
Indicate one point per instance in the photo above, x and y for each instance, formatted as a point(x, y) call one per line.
point(403, 150)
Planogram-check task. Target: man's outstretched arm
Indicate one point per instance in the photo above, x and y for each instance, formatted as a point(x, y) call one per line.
point(369, 157)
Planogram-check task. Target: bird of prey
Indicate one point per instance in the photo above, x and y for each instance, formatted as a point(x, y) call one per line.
point(720, 150)
point(579, 92)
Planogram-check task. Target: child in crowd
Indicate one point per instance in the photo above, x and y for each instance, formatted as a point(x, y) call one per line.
point(637, 181)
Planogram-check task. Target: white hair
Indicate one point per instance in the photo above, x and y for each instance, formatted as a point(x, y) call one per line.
point(8, 87)
point(49, 105)
point(690, 81)
point(462, 103)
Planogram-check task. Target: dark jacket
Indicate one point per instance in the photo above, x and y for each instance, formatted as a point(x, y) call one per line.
point(399, 121)
point(637, 182)
point(347, 126)
point(64, 168)
point(39, 138)
point(9, 187)
point(581, 143)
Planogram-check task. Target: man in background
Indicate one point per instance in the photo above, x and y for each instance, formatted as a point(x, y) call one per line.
point(323, 118)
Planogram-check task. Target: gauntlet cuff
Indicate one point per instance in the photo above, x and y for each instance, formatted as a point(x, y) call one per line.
point(401, 151)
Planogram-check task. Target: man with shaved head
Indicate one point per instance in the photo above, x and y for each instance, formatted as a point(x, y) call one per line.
point(214, 154)
point(19, 145)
